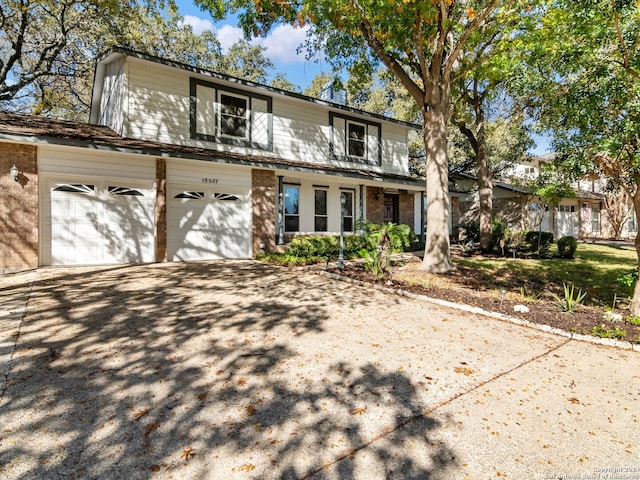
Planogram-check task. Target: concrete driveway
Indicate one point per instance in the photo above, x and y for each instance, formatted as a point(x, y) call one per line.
point(234, 370)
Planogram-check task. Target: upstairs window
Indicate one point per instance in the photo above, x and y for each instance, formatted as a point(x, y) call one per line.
point(355, 140)
point(233, 116)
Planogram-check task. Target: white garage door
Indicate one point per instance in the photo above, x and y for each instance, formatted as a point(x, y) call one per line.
point(94, 222)
point(204, 224)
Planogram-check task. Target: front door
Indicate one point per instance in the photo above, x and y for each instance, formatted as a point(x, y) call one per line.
point(391, 208)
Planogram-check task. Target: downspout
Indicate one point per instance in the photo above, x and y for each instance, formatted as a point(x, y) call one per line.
point(422, 218)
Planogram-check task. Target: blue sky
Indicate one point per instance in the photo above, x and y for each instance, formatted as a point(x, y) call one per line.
point(281, 48)
point(281, 44)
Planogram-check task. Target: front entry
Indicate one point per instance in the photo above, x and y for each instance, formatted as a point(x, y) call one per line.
point(391, 208)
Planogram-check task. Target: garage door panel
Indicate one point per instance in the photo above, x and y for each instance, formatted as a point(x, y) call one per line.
point(208, 224)
point(91, 224)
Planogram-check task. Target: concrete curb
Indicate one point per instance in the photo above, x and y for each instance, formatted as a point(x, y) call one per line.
point(608, 342)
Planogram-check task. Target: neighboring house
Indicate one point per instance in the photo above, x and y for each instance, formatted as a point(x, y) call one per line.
point(181, 164)
point(580, 216)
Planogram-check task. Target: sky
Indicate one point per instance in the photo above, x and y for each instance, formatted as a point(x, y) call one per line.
point(281, 44)
point(281, 48)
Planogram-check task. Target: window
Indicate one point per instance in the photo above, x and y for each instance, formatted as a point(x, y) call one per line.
point(320, 221)
point(125, 191)
point(595, 218)
point(346, 200)
point(291, 209)
point(192, 195)
point(356, 140)
point(233, 116)
point(75, 188)
point(226, 197)
point(632, 225)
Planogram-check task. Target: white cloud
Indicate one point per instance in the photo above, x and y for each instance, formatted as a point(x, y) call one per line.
point(198, 24)
point(228, 35)
point(282, 43)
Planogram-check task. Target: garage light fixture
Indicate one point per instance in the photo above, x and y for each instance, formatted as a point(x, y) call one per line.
point(14, 172)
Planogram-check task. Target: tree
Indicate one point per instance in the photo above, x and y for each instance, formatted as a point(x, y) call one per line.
point(583, 80)
point(47, 67)
point(280, 81)
point(422, 43)
point(246, 61)
point(618, 207)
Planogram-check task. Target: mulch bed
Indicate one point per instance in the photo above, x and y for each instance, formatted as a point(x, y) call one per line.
point(466, 286)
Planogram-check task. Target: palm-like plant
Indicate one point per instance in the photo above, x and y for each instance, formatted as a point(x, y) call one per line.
point(383, 238)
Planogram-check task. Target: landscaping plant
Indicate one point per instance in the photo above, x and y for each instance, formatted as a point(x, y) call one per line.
point(567, 246)
point(383, 239)
point(571, 300)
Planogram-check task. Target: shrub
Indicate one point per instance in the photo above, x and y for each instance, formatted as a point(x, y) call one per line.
point(470, 231)
point(526, 242)
point(325, 246)
point(571, 299)
point(498, 232)
point(567, 246)
point(629, 279)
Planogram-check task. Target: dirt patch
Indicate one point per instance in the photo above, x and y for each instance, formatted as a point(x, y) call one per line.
point(472, 287)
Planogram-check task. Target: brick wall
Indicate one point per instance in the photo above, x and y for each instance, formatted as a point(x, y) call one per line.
point(161, 210)
point(263, 204)
point(374, 205)
point(18, 208)
point(407, 209)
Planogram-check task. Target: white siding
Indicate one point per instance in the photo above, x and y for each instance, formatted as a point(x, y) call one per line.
point(158, 110)
point(85, 162)
point(114, 98)
point(195, 172)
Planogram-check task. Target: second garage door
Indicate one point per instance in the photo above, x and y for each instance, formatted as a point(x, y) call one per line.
point(208, 223)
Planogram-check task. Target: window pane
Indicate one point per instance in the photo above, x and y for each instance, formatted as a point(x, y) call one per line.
point(291, 223)
point(348, 224)
point(356, 140)
point(321, 224)
point(233, 121)
point(321, 202)
point(348, 204)
point(291, 200)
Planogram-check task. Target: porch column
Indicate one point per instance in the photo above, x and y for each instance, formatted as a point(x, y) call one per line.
point(361, 206)
point(422, 218)
point(280, 210)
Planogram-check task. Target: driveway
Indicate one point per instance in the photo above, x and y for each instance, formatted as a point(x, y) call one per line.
point(235, 370)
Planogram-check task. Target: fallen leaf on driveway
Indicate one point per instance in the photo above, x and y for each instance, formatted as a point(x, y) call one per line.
point(574, 400)
point(247, 467)
point(187, 453)
point(140, 413)
point(465, 371)
point(358, 411)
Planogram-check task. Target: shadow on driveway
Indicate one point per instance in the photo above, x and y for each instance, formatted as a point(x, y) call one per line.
point(206, 370)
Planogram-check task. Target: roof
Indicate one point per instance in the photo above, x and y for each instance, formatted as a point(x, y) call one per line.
point(32, 129)
point(119, 51)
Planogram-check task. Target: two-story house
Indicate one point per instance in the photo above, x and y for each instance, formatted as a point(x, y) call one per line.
point(179, 163)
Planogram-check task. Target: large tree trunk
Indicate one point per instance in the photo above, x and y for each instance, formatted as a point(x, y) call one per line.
point(635, 302)
point(437, 257)
point(485, 187)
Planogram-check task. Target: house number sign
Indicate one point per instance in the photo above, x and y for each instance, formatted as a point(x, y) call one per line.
point(212, 181)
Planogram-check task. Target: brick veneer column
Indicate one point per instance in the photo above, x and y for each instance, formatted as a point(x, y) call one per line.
point(18, 208)
point(407, 209)
point(375, 206)
point(161, 210)
point(263, 205)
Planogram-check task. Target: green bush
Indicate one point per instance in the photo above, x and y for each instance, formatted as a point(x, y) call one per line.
point(498, 232)
point(629, 279)
point(567, 246)
point(470, 231)
point(326, 246)
point(525, 242)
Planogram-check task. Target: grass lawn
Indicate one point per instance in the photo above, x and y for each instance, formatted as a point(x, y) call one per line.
point(594, 269)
